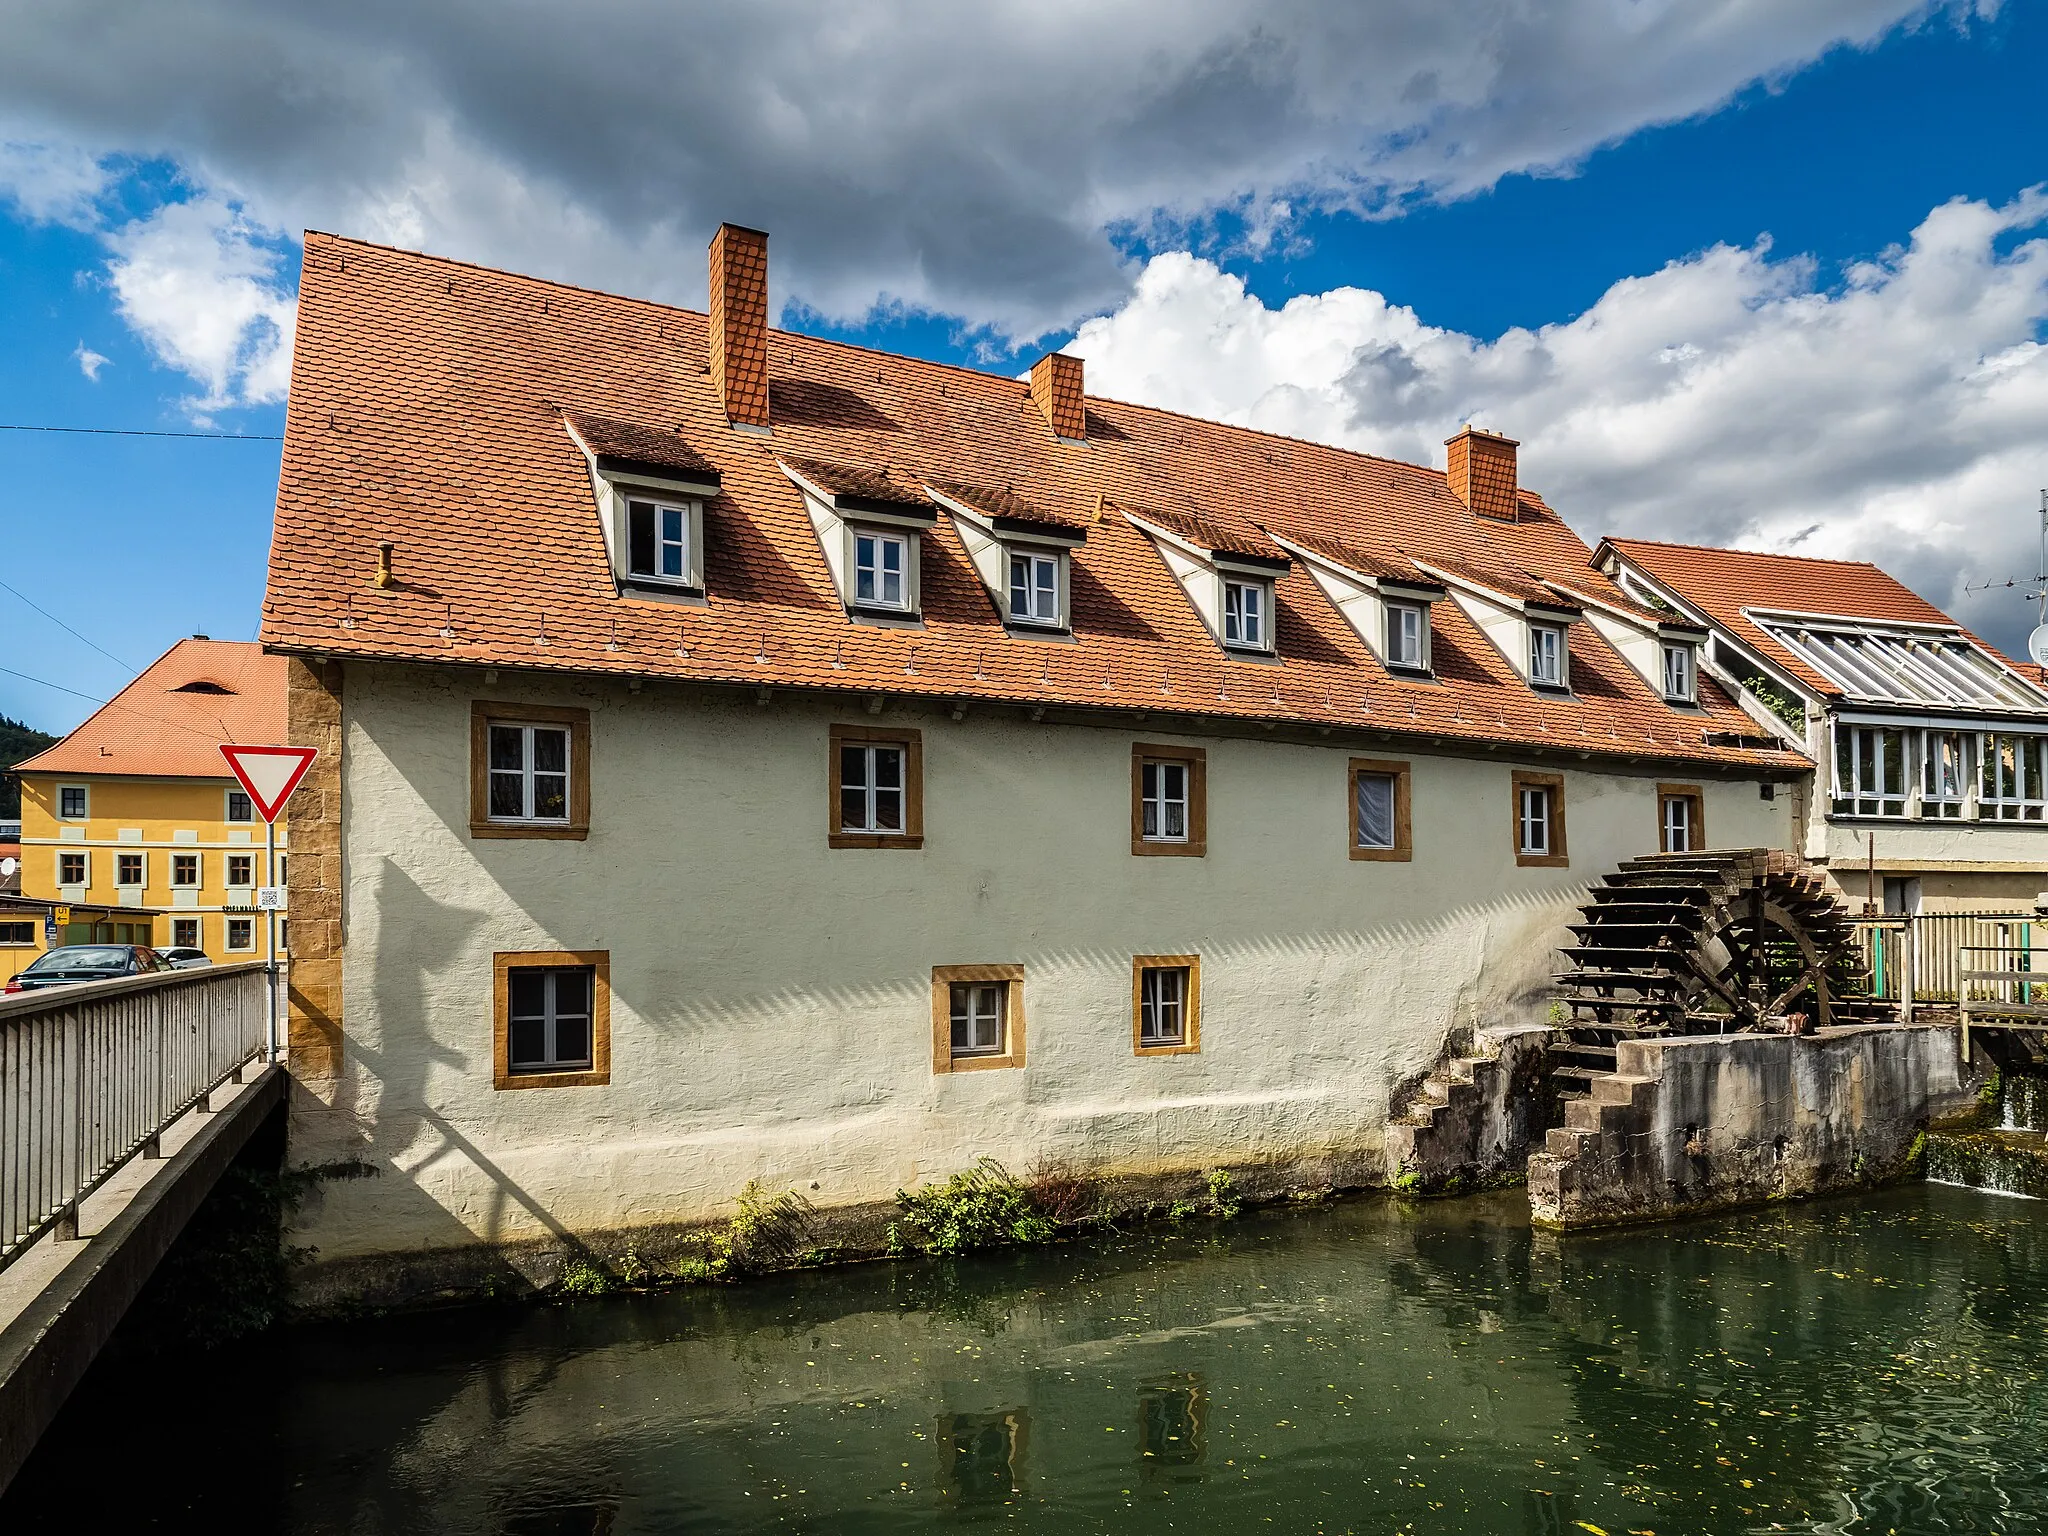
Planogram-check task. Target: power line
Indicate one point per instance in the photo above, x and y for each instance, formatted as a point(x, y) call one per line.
point(225, 437)
point(74, 634)
point(114, 704)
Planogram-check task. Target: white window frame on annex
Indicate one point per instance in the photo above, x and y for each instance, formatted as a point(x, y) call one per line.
point(1033, 556)
point(1236, 581)
point(1686, 655)
point(908, 599)
point(1561, 634)
point(1396, 608)
point(689, 514)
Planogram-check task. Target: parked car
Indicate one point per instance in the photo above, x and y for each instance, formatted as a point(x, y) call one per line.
point(89, 962)
point(183, 957)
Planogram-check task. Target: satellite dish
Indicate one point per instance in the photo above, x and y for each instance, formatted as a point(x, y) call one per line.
point(2037, 645)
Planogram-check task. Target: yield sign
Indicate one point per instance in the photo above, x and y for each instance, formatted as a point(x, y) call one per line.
point(270, 774)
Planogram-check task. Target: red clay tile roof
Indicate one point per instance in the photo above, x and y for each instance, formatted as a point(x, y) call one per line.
point(1010, 507)
point(170, 722)
point(1723, 582)
point(1389, 566)
point(853, 484)
point(636, 444)
point(425, 409)
point(1219, 531)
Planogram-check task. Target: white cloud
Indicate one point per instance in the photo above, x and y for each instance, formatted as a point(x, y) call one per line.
point(51, 183)
point(89, 362)
point(969, 159)
point(1727, 398)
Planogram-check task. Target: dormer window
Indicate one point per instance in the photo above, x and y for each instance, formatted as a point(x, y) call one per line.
point(1681, 679)
point(1035, 582)
point(1408, 636)
point(881, 569)
point(1247, 609)
point(1548, 656)
point(658, 540)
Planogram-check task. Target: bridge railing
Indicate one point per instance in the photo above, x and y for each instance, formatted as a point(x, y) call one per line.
point(92, 1074)
point(1921, 958)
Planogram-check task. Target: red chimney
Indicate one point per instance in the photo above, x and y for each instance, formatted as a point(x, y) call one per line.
point(739, 323)
point(1481, 469)
point(1056, 390)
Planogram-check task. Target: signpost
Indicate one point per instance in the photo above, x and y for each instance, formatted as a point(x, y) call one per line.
point(270, 774)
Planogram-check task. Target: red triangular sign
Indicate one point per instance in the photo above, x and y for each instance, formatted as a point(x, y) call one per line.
point(270, 774)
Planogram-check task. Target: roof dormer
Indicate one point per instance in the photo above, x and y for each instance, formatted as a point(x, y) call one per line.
point(1021, 552)
point(1386, 600)
point(650, 487)
point(1530, 625)
point(1228, 567)
point(1662, 649)
point(871, 529)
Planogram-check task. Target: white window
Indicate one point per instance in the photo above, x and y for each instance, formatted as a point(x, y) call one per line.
point(1870, 771)
point(71, 802)
point(547, 1018)
point(1408, 636)
point(1944, 774)
point(2010, 781)
point(881, 570)
point(658, 541)
point(184, 933)
point(184, 869)
point(1533, 818)
point(529, 767)
point(1034, 588)
point(1677, 824)
point(870, 788)
point(129, 869)
point(1244, 615)
point(1679, 684)
point(240, 807)
point(241, 869)
point(1546, 655)
point(978, 1008)
point(241, 933)
point(1163, 801)
point(1163, 1005)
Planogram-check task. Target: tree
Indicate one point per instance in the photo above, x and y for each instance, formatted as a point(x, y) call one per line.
point(18, 743)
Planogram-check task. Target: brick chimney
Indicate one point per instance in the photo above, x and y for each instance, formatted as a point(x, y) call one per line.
point(1481, 469)
point(739, 324)
point(1056, 390)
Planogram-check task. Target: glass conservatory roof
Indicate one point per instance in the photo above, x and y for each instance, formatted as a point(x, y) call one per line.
point(1942, 669)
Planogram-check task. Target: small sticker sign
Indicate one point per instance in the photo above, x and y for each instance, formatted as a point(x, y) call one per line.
point(269, 898)
point(269, 774)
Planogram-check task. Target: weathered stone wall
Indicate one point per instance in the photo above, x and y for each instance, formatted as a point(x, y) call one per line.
point(314, 877)
point(1473, 1122)
point(1705, 1122)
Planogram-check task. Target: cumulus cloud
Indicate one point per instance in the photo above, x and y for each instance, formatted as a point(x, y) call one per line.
point(89, 362)
point(975, 160)
point(1726, 399)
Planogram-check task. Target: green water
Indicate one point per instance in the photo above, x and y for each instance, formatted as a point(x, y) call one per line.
point(1854, 1366)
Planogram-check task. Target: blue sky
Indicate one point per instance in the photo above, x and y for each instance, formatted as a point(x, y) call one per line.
point(137, 541)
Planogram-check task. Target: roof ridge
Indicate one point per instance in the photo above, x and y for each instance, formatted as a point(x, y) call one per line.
point(1764, 554)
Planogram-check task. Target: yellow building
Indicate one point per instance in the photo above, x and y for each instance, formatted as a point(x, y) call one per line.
point(136, 811)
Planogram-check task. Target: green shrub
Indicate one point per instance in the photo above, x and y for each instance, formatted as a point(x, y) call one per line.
point(1223, 1196)
point(765, 1233)
point(978, 1207)
point(582, 1277)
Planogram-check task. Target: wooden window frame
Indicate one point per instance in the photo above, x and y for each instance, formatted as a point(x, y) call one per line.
point(912, 743)
point(198, 933)
point(1404, 842)
point(227, 869)
point(943, 977)
point(1559, 856)
point(1191, 1007)
point(599, 1072)
point(84, 857)
point(198, 871)
point(141, 882)
point(227, 935)
point(483, 713)
point(1697, 832)
point(1197, 760)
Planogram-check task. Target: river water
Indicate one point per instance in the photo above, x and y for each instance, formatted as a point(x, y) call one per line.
point(1875, 1365)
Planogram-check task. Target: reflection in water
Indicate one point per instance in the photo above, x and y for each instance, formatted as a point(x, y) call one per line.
point(1851, 1367)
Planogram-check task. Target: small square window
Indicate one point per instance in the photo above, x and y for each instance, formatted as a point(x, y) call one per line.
point(552, 1025)
point(184, 869)
point(185, 933)
point(529, 772)
point(241, 869)
point(1681, 684)
point(128, 869)
point(658, 541)
point(977, 1017)
point(1166, 1004)
point(877, 788)
point(1169, 792)
point(1408, 636)
point(1547, 656)
point(1379, 810)
point(241, 933)
point(881, 570)
point(1681, 818)
point(1034, 588)
point(71, 869)
point(1247, 621)
point(1539, 819)
point(240, 806)
point(71, 802)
